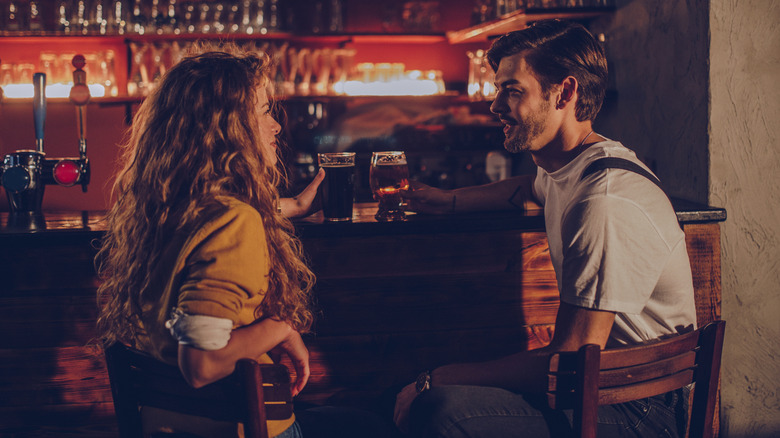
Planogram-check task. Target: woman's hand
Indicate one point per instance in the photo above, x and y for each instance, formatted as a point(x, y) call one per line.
point(403, 402)
point(294, 347)
point(422, 198)
point(304, 204)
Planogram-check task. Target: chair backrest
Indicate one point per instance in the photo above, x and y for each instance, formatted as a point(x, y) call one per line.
point(251, 395)
point(588, 378)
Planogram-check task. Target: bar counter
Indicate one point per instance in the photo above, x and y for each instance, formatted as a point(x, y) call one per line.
point(392, 299)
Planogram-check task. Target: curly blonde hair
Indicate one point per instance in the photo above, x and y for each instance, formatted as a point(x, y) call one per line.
point(193, 141)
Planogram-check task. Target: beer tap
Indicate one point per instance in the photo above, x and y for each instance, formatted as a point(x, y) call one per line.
point(26, 172)
point(80, 96)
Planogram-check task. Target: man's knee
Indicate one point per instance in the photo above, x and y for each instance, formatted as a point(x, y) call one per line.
point(434, 411)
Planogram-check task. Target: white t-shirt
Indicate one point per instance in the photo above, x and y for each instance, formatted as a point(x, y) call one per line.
point(616, 245)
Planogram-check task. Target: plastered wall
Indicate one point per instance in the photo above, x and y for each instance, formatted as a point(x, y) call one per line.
point(745, 160)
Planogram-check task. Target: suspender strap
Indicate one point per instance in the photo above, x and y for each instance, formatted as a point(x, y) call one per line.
point(619, 163)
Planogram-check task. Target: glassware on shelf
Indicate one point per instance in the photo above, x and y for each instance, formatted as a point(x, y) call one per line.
point(167, 20)
point(336, 16)
point(153, 25)
point(97, 18)
point(481, 76)
point(108, 74)
point(322, 63)
point(7, 76)
point(417, 16)
point(233, 17)
point(116, 17)
point(204, 15)
point(138, 18)
point(64, 68)
point(305, 67)
point(12, 16)
point(35, 17)
point(189, 18)
point(158, 65)
point(80, 17)
point(255, 16)
point(48, 63)
point(63, 16)
point(138, 81)
point(218, 17)
point(274, 19)
point(290, 68)
point(341, 69)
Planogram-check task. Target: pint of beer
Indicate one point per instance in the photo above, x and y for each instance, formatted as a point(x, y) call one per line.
point(389, 175)
point(338, 188)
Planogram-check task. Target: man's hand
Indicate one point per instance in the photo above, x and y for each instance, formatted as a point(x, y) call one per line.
point(304, 204)
point(294, 347)
point(426, 199)
point(403, 402)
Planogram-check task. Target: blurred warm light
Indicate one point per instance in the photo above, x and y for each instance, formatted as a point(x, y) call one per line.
point(391, 79)
point(400, 87)
point(26, 91)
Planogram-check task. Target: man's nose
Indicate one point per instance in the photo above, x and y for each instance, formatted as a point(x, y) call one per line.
point(497, 106)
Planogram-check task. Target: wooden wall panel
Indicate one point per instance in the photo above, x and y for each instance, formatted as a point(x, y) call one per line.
point(703, 241)
point(390, 306)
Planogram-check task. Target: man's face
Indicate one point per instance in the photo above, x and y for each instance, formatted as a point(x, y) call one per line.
point(526, 113)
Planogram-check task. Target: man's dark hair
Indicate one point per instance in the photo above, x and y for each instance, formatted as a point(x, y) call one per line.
point(555, 50)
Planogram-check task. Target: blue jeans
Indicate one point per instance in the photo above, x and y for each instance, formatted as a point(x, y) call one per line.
point(481, 412)
point(342, 422)
point(293, 431)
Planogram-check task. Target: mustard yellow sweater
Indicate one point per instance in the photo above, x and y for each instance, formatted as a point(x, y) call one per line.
point(221, 270)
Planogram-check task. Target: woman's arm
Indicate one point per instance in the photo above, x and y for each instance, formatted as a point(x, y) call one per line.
point(201, 367)
point(304, 204)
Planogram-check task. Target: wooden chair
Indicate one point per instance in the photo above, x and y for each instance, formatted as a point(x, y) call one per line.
point(588, 378)
point(138, 379)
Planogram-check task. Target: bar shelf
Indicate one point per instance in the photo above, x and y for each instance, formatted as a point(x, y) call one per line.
point(519, 20)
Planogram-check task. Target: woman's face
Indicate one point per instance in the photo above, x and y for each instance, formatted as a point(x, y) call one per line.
point(269, 127)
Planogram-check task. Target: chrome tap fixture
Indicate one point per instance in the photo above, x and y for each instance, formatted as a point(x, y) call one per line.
point(26, 172)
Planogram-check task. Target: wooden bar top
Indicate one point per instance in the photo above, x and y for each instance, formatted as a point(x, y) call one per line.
point(79, 224)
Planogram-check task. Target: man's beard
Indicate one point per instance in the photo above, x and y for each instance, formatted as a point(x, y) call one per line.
point(520, 136)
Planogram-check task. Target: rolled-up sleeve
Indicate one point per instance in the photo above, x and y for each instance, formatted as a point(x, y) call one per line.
point(228, 267)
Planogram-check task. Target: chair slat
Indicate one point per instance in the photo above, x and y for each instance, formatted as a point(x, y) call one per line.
point(645, 353)
point(644, 372)
point(621, 394)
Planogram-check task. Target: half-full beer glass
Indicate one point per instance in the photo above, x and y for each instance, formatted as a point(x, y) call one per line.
point(338, 188)
point(389, 176)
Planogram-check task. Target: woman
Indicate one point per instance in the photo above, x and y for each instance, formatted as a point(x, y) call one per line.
point(199, 264)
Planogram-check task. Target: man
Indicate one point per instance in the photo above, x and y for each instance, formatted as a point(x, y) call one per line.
point(619, 254)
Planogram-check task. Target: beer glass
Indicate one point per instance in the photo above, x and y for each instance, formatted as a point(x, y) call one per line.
point(389, 175)
point(338, 189)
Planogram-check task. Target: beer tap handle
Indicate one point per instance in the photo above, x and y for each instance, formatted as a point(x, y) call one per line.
point(39, 108)
point(79, 95)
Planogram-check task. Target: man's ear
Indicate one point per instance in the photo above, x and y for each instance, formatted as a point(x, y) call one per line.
point(568, 92)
